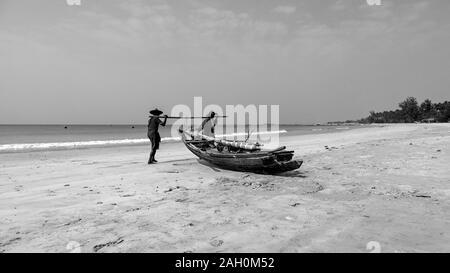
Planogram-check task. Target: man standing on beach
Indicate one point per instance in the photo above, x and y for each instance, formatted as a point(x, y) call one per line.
point(153, 134)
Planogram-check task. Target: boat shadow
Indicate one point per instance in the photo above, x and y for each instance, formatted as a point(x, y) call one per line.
point(207, 164)
point(296, 173)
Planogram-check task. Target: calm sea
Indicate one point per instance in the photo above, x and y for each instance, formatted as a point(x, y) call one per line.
point(17, 137)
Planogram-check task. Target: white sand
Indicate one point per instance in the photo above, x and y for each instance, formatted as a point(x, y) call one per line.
point(386, 184)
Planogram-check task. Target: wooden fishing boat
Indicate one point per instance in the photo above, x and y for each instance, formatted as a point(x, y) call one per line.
point(239, 159)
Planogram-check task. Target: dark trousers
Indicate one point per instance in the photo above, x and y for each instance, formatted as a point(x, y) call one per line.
point(155, 139)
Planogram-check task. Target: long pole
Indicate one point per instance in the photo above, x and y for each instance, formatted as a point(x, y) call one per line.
point(190, 117)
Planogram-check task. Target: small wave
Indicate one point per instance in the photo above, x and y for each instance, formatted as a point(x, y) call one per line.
point(8, 148)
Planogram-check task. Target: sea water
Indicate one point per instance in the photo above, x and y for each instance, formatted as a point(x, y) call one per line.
point(17, 138)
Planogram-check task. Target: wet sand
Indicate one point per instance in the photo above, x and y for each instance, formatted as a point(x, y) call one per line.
point(387, 184)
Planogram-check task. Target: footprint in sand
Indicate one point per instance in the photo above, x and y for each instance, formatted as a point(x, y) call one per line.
point(51, 193)
point(73, 222)
point(96, 248)
point(11, 241)
point(128, 195)
point(216, 243)
point(174, 171)
point(176, 188)
point(135, 209)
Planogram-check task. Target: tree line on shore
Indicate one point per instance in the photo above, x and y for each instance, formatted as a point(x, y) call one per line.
point(411, 111)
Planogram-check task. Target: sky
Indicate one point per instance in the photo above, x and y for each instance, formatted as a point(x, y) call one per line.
point(110, 61)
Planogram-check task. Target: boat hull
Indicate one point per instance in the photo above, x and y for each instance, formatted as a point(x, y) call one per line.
point(257, 162)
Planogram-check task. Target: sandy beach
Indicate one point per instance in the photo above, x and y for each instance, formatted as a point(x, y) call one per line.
point(387, 184)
